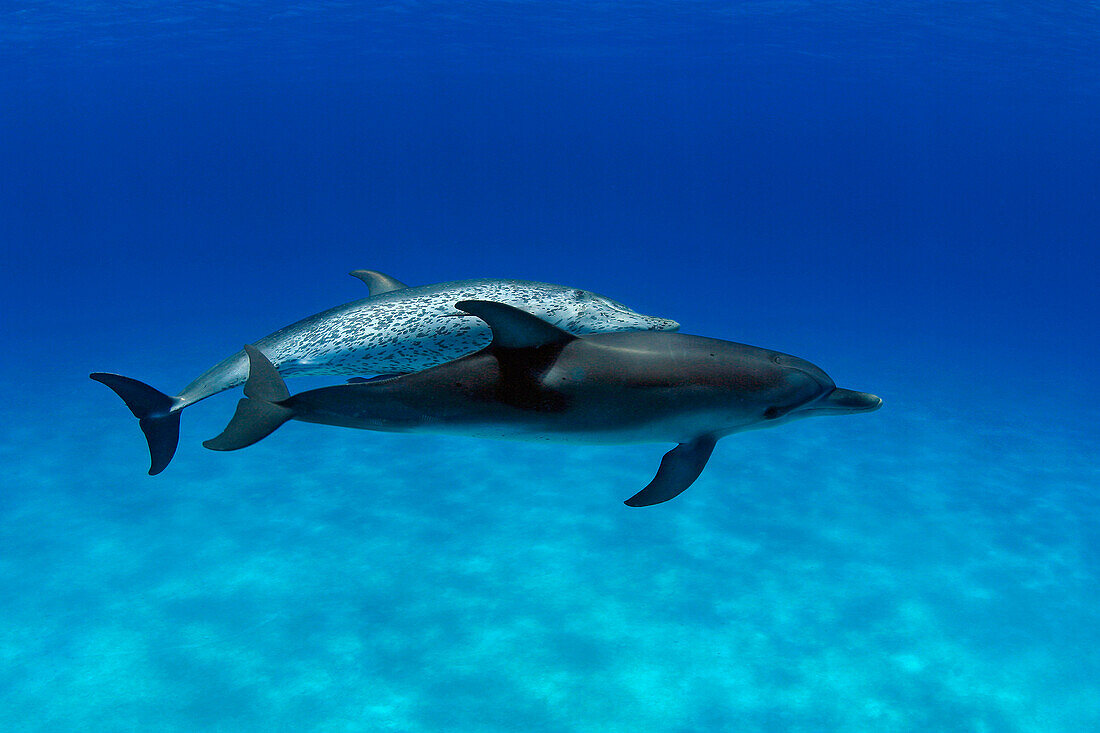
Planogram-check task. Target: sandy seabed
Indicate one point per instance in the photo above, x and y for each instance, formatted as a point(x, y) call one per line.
point(901, 571)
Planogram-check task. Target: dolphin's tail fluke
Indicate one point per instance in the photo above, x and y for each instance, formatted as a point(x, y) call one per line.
point(260, 413)
point(153, 409)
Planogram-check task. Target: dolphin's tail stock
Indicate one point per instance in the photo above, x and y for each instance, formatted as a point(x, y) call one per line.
point(153, 409)
point(259, 413)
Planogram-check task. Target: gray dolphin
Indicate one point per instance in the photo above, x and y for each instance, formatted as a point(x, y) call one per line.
point(536, 381)
point(397, 329)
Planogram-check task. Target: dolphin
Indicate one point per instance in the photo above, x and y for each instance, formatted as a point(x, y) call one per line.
point(536, 381)
point(397, 329)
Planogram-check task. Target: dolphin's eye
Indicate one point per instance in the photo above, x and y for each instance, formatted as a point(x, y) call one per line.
point(771, 413)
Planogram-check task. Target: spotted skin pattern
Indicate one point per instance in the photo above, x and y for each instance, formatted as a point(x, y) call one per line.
point(415, 328)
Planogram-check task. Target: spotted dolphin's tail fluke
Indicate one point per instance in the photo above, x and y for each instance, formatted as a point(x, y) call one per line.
point(153, 409)
point(260, 413)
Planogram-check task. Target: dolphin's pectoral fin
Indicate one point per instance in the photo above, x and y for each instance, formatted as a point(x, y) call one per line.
point(375, 378)
point(679, 469)
point(378, 282)
point(514, 328)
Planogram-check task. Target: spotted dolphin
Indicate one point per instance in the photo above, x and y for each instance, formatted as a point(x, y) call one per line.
point(397, 329)
point(536, 381)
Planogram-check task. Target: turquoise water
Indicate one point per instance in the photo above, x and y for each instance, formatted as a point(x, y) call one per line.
point(910, 569)
point(903, 193)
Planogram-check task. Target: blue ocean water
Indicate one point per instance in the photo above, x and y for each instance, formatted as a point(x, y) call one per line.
point(904, 193)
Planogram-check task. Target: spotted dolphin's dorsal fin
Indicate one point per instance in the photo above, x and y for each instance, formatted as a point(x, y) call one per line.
point(378, 282)
point(514, 328)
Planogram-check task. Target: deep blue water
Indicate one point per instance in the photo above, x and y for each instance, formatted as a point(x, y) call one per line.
point(905, 193)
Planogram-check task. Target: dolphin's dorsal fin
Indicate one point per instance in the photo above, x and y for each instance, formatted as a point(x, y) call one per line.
point(525, 346)
point(514, 328)
point(378, 282)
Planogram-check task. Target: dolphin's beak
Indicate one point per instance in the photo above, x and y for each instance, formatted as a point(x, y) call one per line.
point(843, 402)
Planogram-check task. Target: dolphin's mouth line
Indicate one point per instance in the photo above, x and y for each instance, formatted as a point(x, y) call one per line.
point(842, 401)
